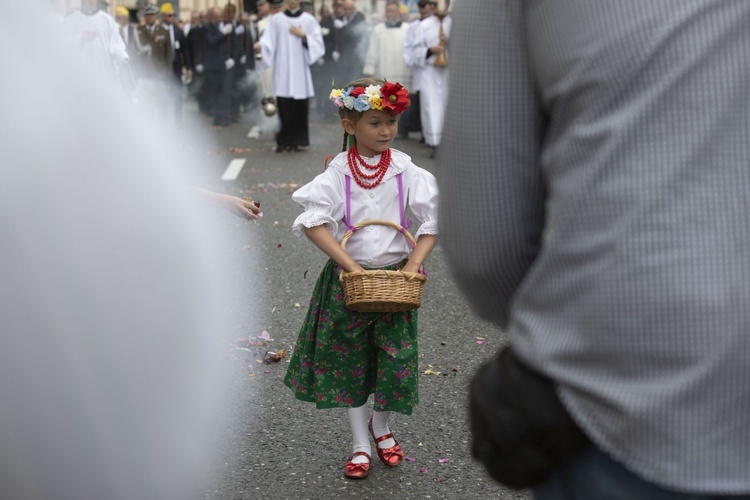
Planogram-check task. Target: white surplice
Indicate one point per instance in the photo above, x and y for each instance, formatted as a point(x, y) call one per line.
point(433, 86)
point(385, 54)
point(288, 57)
point(105, 48)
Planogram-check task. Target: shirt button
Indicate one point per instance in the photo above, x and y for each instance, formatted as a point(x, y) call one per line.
point(370, 227)
point(372, 195)
point(369, 260)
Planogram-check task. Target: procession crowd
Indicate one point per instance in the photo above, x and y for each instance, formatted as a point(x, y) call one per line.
point(283, 59)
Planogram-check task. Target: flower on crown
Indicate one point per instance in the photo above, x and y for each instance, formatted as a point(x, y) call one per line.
point(391, 97)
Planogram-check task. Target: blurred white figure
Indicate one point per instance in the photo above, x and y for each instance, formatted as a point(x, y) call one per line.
point(112, 291)
point(98, 37)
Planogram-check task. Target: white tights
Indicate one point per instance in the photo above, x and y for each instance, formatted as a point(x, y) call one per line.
point(358, 421)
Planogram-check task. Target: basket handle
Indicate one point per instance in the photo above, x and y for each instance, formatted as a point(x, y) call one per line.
point(382, 222)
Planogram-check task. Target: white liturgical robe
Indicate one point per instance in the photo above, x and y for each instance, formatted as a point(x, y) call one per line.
point(98, 39)
point(287, 55)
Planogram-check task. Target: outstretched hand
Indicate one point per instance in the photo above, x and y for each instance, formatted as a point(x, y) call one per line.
point(247, 208)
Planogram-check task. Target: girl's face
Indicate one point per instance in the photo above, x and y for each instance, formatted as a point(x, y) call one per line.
point(375, 131)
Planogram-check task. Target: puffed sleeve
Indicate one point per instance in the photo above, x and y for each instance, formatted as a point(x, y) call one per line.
point(423, 200)
point(323, 203)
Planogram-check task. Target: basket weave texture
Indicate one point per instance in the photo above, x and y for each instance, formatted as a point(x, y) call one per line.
point(379, 290)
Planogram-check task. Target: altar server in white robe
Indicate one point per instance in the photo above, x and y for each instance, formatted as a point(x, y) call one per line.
point(433, 85)
point(385, 53)
point(290, 44)
point(98, 37)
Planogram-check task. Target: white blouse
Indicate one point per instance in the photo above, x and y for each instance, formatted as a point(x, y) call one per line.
point(324, 201)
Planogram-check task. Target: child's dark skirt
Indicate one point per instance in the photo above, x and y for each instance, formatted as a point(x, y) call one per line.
point(342, 356)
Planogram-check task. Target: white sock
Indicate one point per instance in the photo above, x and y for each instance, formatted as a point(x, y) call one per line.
point(380, 428)
point(358, 423)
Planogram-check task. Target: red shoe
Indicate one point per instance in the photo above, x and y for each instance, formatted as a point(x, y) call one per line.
point(389, 456)
point(357, 471)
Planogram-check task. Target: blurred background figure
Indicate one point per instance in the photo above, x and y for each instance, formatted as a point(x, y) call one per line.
point(290, 44)
point(156, 62)
point(219, 62)
point(354, 35)
point(385, 55)
point(243, 90)
point(197, 43)
point(97, 36)
point(127, 31)
point(325, 71)
point(182, 62)
point(429, 43)
point(426, 8)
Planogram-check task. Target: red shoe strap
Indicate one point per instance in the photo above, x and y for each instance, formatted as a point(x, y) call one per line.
point(360, 453)
point(384, 437)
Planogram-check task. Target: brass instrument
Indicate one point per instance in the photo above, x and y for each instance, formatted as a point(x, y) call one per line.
point(441, 59)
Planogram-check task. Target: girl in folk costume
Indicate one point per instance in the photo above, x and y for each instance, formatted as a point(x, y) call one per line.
point(342, 356)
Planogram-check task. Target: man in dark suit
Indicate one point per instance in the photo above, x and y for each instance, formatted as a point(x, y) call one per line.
point(181, 59)
point(218, 64)
point(244, 88)
point(197, 47)
point(353, 41)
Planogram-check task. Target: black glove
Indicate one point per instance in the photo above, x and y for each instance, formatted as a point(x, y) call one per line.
point(520, 428)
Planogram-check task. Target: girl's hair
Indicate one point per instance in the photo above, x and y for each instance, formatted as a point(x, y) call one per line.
point(354, 115)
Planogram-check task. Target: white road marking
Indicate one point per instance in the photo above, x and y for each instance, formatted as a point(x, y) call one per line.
point(234, 169)
point(254, 132)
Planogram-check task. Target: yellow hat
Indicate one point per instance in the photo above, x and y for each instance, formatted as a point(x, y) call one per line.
point(122, 11)
point(403, 9)
point(167, 8)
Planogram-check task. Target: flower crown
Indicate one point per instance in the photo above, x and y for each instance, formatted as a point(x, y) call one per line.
point(391, 97)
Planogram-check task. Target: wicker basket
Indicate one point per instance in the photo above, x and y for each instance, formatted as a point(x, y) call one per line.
point(379, 290)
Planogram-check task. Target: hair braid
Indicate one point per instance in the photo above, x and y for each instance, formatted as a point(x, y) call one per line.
point(346, 136)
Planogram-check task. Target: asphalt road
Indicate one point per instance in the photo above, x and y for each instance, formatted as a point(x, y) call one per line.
point(272, 446)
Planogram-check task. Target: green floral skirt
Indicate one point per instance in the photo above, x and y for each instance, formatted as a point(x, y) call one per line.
point(342, 356)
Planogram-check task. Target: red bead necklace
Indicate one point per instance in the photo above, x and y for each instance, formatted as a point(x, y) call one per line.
point(354, 160)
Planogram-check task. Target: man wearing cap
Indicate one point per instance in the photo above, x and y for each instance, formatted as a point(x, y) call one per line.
point(155, 45)
point(127, 30)
point(98, 38)
point(181, 58)
point(291, 43)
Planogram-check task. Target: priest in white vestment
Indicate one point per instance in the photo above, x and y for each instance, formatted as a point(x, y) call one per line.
point(98, 37)
point(433, 86)
point(385, 57)
point(290, 44)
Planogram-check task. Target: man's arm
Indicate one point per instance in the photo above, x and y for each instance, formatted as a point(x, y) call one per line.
point(492, 193)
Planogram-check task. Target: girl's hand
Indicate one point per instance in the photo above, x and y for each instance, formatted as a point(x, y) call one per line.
point(411, 267)
point(354, 268)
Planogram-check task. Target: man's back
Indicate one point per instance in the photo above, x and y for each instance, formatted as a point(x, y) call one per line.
point(614, 167)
